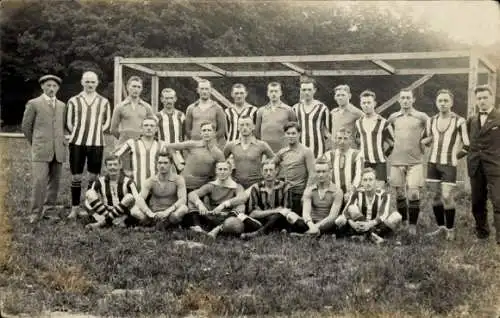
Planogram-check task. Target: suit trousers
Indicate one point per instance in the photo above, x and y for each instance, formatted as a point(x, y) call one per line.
point(46, 179)
point(482, 186)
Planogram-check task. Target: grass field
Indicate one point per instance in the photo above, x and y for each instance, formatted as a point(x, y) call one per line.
point(59, 266)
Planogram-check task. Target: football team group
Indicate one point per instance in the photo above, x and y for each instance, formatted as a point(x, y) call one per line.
point(245, 171)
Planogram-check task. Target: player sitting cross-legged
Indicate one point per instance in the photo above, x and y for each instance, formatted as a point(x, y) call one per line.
point(268, 202)
point(368, 213)
point(216, 206)
point(111, 196)
point(165, 193)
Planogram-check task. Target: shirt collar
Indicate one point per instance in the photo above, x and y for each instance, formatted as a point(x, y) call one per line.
point(128, 101)
point(277, 184)
point(331, 187)
point(268, 105)
point(253, 140)
point(229, 183)
point(488, 111)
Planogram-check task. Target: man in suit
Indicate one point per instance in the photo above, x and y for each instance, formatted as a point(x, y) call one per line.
point(43, 126)
point(483, 161)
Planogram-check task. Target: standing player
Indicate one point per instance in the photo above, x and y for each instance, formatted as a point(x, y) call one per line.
point(126, 122)
point(272, 117)
point(143, 151)
point(247, 153)
point(201, 156)
point(346, 114)
point(296, 165)
point(368, 212)
point(446, 133)
point(171, 124)
point(205, 109)
point(88, 117)
point(240, 108)
point(314, 119)
point(407, 169)
point(345, 163)
point(376, 137)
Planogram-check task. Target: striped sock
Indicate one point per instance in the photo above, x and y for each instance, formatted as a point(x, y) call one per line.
point(97, 207)
point(76, 191)
point(121, 209)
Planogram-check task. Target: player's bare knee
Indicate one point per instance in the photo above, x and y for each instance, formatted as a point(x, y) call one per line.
point(76, 178)
point(128, 200)
point(413, 194)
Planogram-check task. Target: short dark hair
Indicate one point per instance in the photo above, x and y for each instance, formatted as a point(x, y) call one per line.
point(224, 161)
point(111, 158)
point(206, 122)
point(445, 91)
point(343, 87)
point(367, 93)
point(307, 80)
point(483, 88)
point(322, 161)
point(345, 131)
point(134, 79)
point(407, 89)
point(291, 124)
point(238, 85)
point(267, 162)
point(166, 154)
point(368, 170)
point(204, 81)
point(274, 84)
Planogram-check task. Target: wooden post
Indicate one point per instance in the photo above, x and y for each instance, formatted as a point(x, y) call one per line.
point(155, 87)
point(117, 81)
point(492, 82)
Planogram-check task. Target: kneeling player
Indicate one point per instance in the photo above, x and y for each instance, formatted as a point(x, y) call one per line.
point(111, 196)
point(368, 211)
point(322, 201)
point(223, 210)
point(166, 192)
point(268, 202)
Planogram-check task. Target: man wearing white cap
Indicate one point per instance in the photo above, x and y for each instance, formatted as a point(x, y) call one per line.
point(43, 125)
point(367, 212)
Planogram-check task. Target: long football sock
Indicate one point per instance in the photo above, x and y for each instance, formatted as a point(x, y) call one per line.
point(76, 191)
point(402, 206)
point(439, 214)
point(413, 211)
point(450, 218)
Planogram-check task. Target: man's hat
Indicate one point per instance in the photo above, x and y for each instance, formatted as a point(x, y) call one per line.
point(48, 77)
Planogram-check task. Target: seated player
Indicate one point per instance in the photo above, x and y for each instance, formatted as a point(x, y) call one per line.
point(268, 202)
point(345, 163)
point(111, 196)
point(166, 192)
point(322, 201)
point(221, 207)
point(367, 212)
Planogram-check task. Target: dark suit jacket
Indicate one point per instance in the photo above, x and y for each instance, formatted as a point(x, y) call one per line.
point(43, 126)
point(484, 144)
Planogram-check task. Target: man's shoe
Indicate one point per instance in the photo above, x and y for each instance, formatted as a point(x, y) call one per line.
point(197, 229)
point(74, 212)
point(482, 234)
point(450, 234)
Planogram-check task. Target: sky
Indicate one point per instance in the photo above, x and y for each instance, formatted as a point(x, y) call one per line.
point(472, 22)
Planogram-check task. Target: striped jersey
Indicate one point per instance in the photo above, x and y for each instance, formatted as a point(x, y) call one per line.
point(376, 138)
point(113, 192)
point(346, 167)
point(372, 208)
point(143, 159)
point(87, 122)
point(447, 143)
point(314, 124)
point(171, 126)
point(232, 116)
point(262, 199)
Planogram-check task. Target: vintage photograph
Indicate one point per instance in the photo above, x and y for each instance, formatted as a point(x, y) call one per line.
point(246, 158)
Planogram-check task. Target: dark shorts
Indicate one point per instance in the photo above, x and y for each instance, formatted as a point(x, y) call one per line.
point(441, 173)
point(380, 170)
point(92, 155)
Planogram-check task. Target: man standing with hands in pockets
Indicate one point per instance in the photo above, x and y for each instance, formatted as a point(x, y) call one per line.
point(43, 125)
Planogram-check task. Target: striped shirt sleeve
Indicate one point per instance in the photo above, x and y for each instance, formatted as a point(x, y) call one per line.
point(384, 207)
point(358, 169)
point(388, 138)
point(127, 146)
point(70, 115)
point(107, 118)
point(464, 136)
